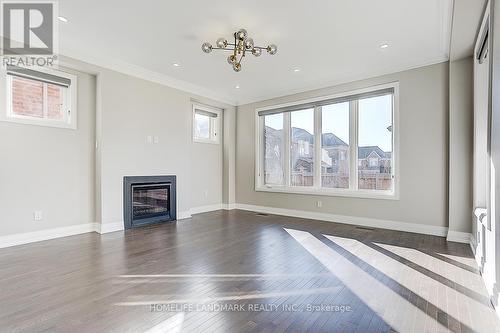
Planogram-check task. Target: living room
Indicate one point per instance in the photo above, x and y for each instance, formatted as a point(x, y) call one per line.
point(324, 166)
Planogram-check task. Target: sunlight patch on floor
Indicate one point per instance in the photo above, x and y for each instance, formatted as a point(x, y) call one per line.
point(450, 300)
point(372, 292)
point(464, 260)
point(452, 272)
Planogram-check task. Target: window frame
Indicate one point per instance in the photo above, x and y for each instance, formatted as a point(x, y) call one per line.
point(70, 117)
point(214, 126)
point(316, 189)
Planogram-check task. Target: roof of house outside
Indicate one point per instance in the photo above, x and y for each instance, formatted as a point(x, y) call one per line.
point(331, 140)
point(364, 152)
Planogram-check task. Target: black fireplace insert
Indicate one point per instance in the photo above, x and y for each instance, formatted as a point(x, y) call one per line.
point(148, 199)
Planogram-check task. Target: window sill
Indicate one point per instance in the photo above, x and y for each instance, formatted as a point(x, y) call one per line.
point(359, 194)
point(199, 140)
point(39, 122)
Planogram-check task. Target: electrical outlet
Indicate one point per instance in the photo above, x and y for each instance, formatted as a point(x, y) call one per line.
point(149, 139)
point(37, 215)
point(319, 204)
point(206, 193)
point(156, 139)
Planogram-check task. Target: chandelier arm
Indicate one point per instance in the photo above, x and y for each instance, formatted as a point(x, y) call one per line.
point(235, 45)
point(222, 48)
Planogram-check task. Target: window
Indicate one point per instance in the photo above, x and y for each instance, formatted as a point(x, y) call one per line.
point(337, 145)
point(43, 97)
point(206, 122)
point(302, 148)
point(273, 153)
point(375, 142)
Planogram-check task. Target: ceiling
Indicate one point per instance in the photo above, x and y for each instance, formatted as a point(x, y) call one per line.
point(329, 41)
point(467, 17)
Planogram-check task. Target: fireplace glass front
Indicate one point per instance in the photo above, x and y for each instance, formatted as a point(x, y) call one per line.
point(150, 200)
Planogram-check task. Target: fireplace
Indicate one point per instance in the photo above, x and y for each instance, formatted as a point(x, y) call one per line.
point(148, 199)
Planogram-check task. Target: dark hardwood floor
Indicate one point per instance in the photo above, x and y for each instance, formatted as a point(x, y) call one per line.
point(238, 271)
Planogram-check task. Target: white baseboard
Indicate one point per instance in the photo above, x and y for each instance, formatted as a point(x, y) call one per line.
point(230, 206)
point(205, 209)
point(38, 236)
point(101, 228)
point(118, 226)
point(184, 215)
point(354, 220)
point(459, 237)
point(473, 244)
point(104, 228)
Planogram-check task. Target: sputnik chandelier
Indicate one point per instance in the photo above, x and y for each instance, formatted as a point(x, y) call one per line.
point(242, 44)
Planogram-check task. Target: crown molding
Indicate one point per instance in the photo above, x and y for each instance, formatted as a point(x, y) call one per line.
point(153, 76)
point(145, 74)
point(345, 80)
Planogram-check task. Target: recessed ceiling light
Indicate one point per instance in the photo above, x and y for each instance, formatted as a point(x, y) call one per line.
point(237, 87)
point(175, 64)
point(384, 46)
point(296, 70)
point(62, 19)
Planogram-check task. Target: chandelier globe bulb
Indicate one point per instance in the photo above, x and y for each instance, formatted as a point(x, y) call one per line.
point(206, 47)
point(221, 42)
point(272, 49)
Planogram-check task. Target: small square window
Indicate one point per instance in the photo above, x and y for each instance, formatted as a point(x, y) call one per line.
point(206, 123)
point(202, 126)
point(46, 98)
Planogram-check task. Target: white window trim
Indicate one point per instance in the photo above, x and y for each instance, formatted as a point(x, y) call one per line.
point(352, 192)
point(69, 121)
point(215, 124)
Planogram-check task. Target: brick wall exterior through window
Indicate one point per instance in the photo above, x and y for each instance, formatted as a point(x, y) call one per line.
point(36, 99)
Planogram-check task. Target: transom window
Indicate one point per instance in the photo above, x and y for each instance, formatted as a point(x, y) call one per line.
point(337, 145)
point(40, 97)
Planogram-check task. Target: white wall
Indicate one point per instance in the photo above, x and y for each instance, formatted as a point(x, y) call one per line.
point(60, 172)
point(229, 154)
point(461, 142)
point(423, 154)
point(492, 271)
point(48, 169)
point(130, 110)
